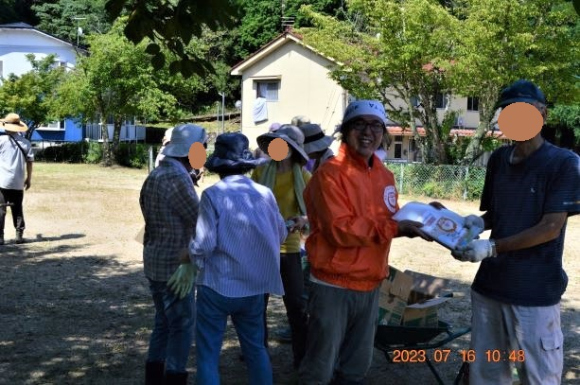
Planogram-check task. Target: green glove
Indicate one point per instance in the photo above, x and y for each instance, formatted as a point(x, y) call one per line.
point(181, 282)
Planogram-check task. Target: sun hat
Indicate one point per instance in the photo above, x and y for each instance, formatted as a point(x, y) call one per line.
point(232, 152)
point(314, 138)
point(182, 137)
point(299, 120)
point(360, 108)
point(521, 91)
point(273, 127)
point(11, 122)
point(290, 134)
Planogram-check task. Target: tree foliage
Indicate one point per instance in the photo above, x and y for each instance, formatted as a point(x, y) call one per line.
point(401, 50)
point(503, 41)
point(12, 11)
point(32, 95)
point(172, 24)
point(116, 81)
point(62, 18)
point(393, 52)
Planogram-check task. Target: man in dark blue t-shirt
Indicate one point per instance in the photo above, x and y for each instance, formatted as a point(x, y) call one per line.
point(530, 190)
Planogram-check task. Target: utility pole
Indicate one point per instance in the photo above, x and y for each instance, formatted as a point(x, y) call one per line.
point(223, 94)
point(79, 29)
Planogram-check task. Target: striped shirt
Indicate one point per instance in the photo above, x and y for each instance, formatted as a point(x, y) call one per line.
point(238, 237)
point(169, 205)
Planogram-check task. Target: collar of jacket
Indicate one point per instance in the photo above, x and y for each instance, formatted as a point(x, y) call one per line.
point(346, 152)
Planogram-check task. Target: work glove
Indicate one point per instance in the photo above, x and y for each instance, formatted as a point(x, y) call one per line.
point(473, 222)
point(181, 282)
point(475, 251)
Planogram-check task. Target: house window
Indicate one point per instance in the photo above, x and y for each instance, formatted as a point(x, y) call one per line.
point(472, 103)
point(441, 100)
point(398, 147)
point(53, 126)
point(268, 89)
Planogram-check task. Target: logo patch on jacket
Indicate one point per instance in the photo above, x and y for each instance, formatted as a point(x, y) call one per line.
point(390, 198)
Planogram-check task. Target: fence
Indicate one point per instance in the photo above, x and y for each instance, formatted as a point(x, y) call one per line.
point(441, 181)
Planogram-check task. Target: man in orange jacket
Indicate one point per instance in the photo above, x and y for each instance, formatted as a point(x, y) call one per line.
point(350, 202)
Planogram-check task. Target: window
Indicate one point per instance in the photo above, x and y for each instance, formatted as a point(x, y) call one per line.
point(53, 126)
point(472, 103)
point(415, 101)
point(398, 147)
point(268, 89)
point(441, 100)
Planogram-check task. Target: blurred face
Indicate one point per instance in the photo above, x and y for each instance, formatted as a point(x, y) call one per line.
point(365, 135)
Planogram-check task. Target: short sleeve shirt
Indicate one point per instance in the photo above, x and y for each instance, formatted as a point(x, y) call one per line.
point(13, 161)
point(516, 196)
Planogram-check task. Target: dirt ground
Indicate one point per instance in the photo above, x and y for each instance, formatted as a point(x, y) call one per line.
point(75, 306)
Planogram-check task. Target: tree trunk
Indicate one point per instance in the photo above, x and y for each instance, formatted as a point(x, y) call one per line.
point(118, 122)
point(474, 148)
point(107, 156)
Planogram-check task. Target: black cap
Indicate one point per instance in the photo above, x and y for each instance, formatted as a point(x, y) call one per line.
point(521, 91)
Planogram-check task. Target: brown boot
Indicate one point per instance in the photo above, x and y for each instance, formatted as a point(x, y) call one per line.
point(19, 237)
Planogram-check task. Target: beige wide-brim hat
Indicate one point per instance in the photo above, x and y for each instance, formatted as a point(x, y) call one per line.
point(12, 123)
point(290, 134)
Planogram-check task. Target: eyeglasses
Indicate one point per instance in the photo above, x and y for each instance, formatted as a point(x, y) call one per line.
point(361, 125)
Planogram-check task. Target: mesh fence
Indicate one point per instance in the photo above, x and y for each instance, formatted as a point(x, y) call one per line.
point(441, 181)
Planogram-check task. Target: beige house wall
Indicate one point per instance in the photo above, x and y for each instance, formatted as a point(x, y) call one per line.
point(305, 89)
point(458, 103)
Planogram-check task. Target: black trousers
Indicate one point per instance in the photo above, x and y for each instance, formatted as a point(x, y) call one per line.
point(15, 197)
point(293, 281)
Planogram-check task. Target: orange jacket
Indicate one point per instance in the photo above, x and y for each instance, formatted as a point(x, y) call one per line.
point(350, 206)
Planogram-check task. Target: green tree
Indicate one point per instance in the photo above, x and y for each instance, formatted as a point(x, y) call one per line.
point(115, 81)
point(172, 24)
point(32, 95)
point(63, 17)
point(13, 11)
point(504, 40)
point(394, 52)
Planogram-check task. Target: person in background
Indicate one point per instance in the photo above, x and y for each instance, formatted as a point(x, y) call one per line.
point(169, 205)
point(381, 152)
point(164, 142)
point(236, 268)
point(16, 159)
point(531, 188)
point(287, 179)
point(350, 201)
point(316, 145)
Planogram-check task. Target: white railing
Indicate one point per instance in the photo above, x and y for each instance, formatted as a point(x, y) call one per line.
point(129, 132)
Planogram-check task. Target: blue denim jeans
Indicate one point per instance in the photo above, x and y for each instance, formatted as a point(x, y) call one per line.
point(174, 328)
point(247, 316)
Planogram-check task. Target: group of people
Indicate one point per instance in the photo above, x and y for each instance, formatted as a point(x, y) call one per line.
point(240, 243)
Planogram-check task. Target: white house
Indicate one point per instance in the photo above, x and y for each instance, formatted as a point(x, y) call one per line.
point(20, 39)
point(293, 78)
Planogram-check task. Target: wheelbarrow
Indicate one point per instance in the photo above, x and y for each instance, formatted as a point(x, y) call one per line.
point(418, 344)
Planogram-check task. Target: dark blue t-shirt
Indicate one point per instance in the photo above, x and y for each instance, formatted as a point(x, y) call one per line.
point(516, 197)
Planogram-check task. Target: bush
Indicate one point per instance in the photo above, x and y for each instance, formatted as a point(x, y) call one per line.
point(133, 155)
point(94, 153)
point(66, 152)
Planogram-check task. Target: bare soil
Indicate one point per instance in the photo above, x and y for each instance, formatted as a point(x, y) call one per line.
point(75, 307)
